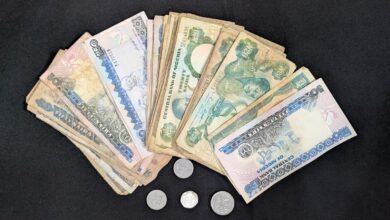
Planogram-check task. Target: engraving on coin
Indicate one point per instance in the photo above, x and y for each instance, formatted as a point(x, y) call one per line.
point(156, 199)
point(189, 199)
point(222, 203)
point(183, 168)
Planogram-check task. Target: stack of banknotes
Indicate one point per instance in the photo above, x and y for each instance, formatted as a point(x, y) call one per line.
point(144, 90)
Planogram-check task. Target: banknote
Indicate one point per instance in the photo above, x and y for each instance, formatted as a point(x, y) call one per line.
point(121, 67)
point(284, 139)
point(156, 163)
point(130, 29)
point(49, 108)
point(222, 45)
point(292, 84)
point(169, 41)
point(169, 27)
point(76, 82)
point(149, 66)
point(163, 48)
point(194, 42)
point(120, 185)
point(170, 24)
point(249, 70)
point(115, 186)
point(45, 103)
point(158, 30)
point(110, 174)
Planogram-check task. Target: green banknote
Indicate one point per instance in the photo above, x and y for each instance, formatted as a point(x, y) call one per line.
point(249, 70)
point(222, 45)
point(195, 40)
point(288, 87)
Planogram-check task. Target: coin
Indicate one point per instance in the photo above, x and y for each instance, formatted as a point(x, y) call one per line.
point(156, 199)
point(189, 199)
point(222, 203)
point(183, 168)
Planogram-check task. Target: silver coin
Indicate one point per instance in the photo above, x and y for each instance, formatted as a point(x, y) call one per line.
point(156, 199)
point(183, 168)
point(189, 199)
point(222, 203)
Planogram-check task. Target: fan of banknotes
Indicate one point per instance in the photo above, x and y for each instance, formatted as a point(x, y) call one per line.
point(144, 90)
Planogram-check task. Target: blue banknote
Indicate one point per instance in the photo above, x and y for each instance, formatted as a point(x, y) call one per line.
point(286, 138)
point(121, 65)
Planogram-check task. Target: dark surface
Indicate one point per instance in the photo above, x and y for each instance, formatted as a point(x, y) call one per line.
point(43, 176)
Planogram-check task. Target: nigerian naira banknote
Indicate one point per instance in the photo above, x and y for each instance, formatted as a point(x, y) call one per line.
point(221, 48)
point(158, 28)
point(282, 140)
point(49, 108)
point(195, 39)
point(122, 69)
point(119, 56)
point(77, 83)
point(249, 70)
point(293, 83)
point(169, 24)
point(149, 66)
point(224, 41)
point(120, 184)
